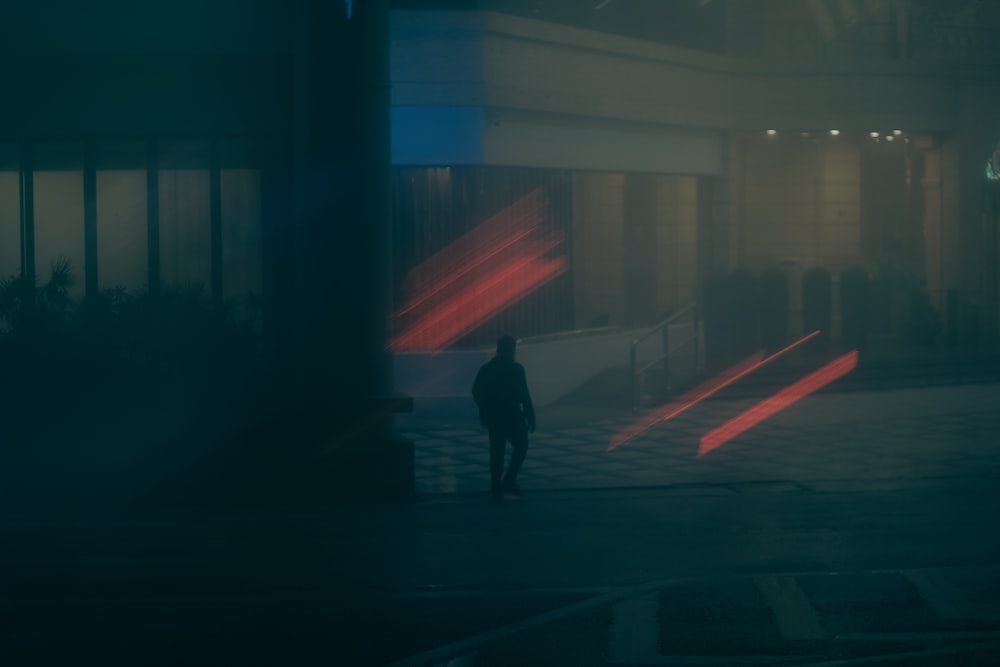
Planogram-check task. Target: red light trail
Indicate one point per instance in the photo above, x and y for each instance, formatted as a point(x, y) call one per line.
point(489, 240)
point(463, 312)
point(789, 395)
point(484, 271)
point(706, 389)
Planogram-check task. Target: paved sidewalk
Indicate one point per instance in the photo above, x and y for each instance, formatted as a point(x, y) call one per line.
point(869, 435)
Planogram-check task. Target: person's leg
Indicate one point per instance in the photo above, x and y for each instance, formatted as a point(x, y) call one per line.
point(498, 445)
point(519, 443)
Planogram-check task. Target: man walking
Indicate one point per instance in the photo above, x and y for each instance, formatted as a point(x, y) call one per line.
point(501, 393)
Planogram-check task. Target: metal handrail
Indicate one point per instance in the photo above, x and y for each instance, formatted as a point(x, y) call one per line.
point(665, 323)
point(567, 335)
point(663, 328)
point(660, 359)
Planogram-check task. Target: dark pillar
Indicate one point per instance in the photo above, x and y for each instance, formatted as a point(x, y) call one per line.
point(334, 309)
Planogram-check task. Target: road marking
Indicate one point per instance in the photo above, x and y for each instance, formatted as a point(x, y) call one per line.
point(941, 596)
point(909, 636)
point(793, 613)
point(634, 630)
point(772, 583)
point(441, 592)
point(467, 660)
point(464, 646)
point(885, 658)
point(721, 660)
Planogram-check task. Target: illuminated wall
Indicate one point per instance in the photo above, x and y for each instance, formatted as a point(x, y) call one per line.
point(799, 202)
point(677, 241)
point(598, 249)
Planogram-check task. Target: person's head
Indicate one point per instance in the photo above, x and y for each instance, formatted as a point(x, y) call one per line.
point(506, 346)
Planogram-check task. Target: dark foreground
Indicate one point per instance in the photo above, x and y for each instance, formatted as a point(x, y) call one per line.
point(836, 567)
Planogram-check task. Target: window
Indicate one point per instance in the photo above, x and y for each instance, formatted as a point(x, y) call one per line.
point(185, 231)
point(122, 233)
point(10, 212)
point(59, 229)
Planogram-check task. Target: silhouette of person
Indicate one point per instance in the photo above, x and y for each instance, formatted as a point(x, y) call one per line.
point(501, 394)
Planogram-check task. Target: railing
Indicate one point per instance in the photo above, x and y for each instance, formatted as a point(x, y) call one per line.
point(663, 328)
point(568, 335)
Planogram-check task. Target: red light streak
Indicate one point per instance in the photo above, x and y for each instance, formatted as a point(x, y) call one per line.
point(465, 311)
point(789, 395)
point(500, 233)
point(706, 389)
point(486, 270)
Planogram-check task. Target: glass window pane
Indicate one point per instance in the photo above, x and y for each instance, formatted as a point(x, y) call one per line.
point(10, 212)
point(59, 225)
point(10, 225)
point(241, 233)
point(185, 235)
point(121, 229)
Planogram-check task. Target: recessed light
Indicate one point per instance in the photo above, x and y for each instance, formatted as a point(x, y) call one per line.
point(897, 132)
point(873, 135)
point(889, 137)
point(834, 132)
point(771, 133)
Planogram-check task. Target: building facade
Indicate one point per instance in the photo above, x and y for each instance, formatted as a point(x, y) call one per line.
point(239, 148)
point(823, 134)
point(163, 149)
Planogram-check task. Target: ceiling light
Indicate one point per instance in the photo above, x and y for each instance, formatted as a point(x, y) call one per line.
point(873, 135)
point(897, 132)
point(834, 132)
point(889, 137)
point(771, 133)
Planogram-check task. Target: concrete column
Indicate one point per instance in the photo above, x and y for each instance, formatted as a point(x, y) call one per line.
point(340, 201)
point(330, 260)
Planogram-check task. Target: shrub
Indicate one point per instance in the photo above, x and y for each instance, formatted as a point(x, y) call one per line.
point(115, 348)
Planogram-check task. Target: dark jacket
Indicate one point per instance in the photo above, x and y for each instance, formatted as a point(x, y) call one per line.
point(501, 393)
